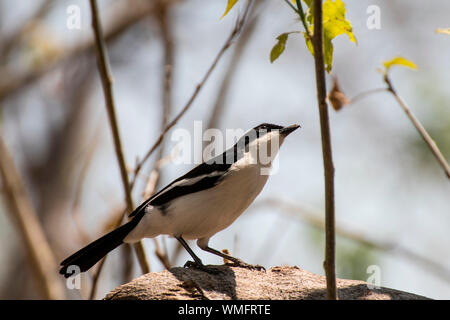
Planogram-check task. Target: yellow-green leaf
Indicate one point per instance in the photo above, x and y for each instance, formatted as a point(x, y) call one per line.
point(230, 5)
point(443, 30)
point(309, 43)
point(334, 24)
point(279, 47)
point(399, 61)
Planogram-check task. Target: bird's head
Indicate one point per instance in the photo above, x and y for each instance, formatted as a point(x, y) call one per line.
point(263, 141)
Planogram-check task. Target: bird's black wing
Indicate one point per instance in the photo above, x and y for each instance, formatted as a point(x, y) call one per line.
point(203, 176)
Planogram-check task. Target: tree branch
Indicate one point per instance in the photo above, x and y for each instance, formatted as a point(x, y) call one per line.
point(426, 137)
point(14, 83)
point(165, 25)
point(43, 263)
point(110, 106)
point(239, 49)
point(234, 33)
point(330, 237)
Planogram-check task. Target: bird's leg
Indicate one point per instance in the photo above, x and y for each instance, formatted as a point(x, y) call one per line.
point(197, 263)
point(236, 262)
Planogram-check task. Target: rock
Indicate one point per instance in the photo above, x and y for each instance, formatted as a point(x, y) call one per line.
point(285, 283)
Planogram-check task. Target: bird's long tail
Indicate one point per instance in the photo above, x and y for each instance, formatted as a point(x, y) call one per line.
point(85, 258)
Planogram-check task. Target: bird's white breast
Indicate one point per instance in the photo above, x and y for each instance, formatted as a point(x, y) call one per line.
point(205, 213)
point(202, 214)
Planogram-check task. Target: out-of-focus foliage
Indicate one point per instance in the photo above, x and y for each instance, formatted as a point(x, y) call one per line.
point(443, 30)
point(399, 61)
point(352, 258)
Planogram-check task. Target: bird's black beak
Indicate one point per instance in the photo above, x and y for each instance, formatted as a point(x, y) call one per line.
point(289, 129)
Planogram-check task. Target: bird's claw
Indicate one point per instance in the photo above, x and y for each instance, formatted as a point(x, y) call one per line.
point(190, 264)
point(200, 266)
point(242, 264)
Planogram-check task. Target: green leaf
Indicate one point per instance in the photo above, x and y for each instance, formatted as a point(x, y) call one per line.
point(279, 47)
point(328, 50)
point(334, 24)
point(230, 5)
point(399, 61)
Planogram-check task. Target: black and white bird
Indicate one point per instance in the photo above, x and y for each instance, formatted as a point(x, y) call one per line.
point(198, 204)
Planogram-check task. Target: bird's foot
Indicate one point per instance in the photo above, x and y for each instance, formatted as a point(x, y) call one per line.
point(201, 266)
point(241, 264)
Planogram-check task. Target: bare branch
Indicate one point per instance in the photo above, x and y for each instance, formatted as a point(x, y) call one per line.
point(234, 33)
point(92, 146)
point(241, 44)
point(15, 82)
point(22, 213)
point(364, 94)
point(148, 192)
point(118, 221)
point(110, 106)
point(95, 279)
point(426, 137)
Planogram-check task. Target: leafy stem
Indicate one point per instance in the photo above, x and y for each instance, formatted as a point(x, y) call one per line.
point(301, 13)
point(330, 232)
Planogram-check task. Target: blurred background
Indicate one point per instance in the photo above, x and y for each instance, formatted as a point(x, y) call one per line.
point(392, 197)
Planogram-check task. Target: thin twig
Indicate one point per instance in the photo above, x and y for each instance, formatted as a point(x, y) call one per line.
point(364, 94)
point(330, 237)
point(303, 18)
point(165, 25)
point(95, 278)
point(99, 270)
point(301, 13)
point(30, 229)
point(313, 219)
point(150, 189)
point(92, 145)
point(241, 44)
point(127, 263)
point(426, 137)
point(234, 33)
point(106, 78)
point(163, 19)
